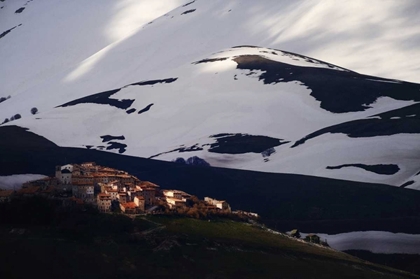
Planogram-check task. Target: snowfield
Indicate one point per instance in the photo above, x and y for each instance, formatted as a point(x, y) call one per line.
point(181, 114)
point(267, 85)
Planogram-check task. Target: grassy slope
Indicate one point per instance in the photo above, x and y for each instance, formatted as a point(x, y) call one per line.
point(184, 248)
point(410, 263)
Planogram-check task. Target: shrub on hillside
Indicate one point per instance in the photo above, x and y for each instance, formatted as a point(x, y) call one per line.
point(2, 99)
point(193, 161)
point(34, 111)
point(197, 161)
point(180, 160)
point(15, 117)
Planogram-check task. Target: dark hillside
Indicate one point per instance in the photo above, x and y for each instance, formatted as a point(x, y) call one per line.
point(410, 263)
point(85, 244)
point(285, 201)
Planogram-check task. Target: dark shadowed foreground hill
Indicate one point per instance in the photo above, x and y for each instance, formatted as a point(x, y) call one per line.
point(55, 242)
point(284, 201)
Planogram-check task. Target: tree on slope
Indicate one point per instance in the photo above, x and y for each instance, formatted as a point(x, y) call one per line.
point(34, 111)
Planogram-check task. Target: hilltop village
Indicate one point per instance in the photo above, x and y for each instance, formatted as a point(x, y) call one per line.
point(112, 190)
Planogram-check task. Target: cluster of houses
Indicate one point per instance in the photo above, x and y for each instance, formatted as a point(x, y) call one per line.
point(114, 190)
point(109, 190)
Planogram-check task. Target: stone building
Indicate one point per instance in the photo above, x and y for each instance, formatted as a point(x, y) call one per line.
point(104, 202)
point(83, 179)
point(84, 192)
point(113, 193)
point(148, 195)
point(123, 197)
point(139, 201)
point(223, 205)
point(64, 174)
point(129, 208)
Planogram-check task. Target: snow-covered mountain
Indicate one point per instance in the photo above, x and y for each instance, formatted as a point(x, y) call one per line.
point(177, 79)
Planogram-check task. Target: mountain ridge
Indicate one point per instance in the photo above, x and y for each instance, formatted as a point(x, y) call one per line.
point(255, 93)
point(295, 75)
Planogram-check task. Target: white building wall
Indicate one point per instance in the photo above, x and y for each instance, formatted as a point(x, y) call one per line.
point(68, 167)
